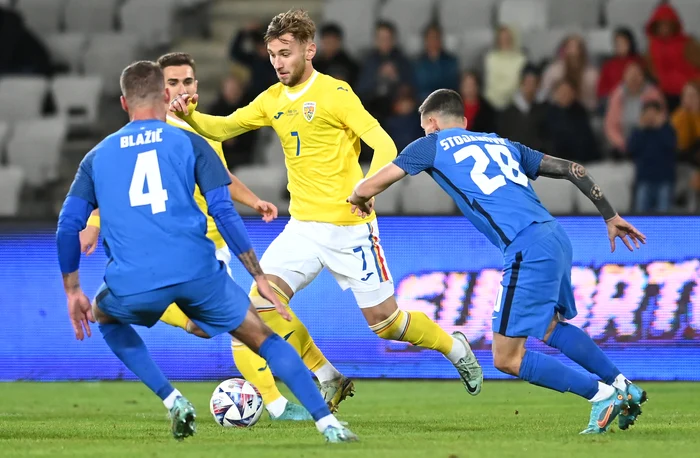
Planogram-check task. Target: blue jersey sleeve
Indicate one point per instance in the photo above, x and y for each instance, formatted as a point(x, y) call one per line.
point(529, 159)
point(209, 171)
point(228, 221)
point(418, 156)
point(83, 185)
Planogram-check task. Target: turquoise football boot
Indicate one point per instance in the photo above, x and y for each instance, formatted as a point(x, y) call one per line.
point(293, 412)
point(634, 398)
point(182, 416)
point(336, 435)
point(604, 412)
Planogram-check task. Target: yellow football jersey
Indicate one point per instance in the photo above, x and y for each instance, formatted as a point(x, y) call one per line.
point(319, 124)
point(212, 232)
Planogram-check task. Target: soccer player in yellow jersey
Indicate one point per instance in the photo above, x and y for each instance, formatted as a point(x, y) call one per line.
point(179, 73)
point(320, 122)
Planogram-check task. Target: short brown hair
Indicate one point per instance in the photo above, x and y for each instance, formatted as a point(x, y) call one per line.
point(141, 81)
point(176, 59)
point(295, 22)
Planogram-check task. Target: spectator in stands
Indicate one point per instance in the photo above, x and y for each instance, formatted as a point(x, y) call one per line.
point(625, 107)
point(503, 66)
point(674, 57)
point(404, 124)
point(686, 123)
point(248, 48)
point(572, 65)
point(332, 59)
point(569, 127)
point(524, 120)
point(21, 51)
point(435, 68)
point(383, 72)
point(614, 68)
point(653, 146)
point(238, 150)
point(481, 116)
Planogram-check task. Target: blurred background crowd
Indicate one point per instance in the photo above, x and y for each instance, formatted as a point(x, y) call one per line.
point(613, 84)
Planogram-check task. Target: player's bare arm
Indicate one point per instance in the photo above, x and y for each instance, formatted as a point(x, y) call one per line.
point(554, 167)
point(364, 192)
point(242, 194)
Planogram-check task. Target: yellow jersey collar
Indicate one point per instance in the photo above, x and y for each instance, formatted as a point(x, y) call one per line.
point(299, 91)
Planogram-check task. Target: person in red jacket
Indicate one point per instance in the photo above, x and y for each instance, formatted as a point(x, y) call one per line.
point(674, 57)
point(614, 68)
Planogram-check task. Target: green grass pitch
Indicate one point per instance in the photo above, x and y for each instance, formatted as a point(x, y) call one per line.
point(392, 418)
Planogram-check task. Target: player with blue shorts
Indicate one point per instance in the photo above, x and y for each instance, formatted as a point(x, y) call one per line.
point(142, 179)
point(488, 178)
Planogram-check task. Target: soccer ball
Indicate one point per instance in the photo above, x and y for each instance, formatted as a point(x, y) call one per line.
point(236, 402)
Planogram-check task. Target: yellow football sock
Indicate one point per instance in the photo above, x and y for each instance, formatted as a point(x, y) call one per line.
point(255, 370)
point(293, 331)
point(416, 328)
point(175, 317)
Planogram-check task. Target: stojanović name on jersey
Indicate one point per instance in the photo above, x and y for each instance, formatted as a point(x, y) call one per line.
point(451, 142)
point(143, 138)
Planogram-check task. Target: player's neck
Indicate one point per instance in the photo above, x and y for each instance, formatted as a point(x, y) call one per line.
point(147, 114)
point(305, 78)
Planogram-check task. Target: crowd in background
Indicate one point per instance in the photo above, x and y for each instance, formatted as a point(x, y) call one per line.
point(636, 105)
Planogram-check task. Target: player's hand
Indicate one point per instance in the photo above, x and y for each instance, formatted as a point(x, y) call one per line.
point(88, 239)
point(266, 209)
point(80, 314)
point(265, 290)
point(359, 206)
point(182, 104)
point(618, 227)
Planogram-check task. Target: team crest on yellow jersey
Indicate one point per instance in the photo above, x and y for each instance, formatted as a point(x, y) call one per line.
point(309, 110)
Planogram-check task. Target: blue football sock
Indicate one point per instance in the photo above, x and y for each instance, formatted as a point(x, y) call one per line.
point(581, 349)
point(130, 349)
point(286, 364)
point(544, 370)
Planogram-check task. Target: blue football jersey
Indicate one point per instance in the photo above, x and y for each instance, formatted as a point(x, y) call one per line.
point(486, 175)
point(142, 179)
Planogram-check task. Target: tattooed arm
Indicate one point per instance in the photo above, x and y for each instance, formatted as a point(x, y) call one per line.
point(554, 167)
point(250, 262)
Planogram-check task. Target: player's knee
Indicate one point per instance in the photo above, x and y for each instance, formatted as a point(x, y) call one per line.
point(100, 316)
point(193, 329)
point(507, 362)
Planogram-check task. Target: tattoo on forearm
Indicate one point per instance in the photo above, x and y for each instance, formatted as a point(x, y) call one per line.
point(250, 262)
point(553, 167)
point(71, 282)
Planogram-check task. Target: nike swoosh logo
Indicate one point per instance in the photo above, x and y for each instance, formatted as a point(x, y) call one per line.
point(470, 388)
point(285, 338)
point(367, 276)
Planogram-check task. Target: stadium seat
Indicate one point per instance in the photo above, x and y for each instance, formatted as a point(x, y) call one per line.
point(78, 98)
point(630, 13)
point(455, 16)
point(556, 195)
point(542, 44)
point(107, 55)
point(4, 137)
point(11, 180)
point(421, 195)
point(689, 11)
point(409, 16)
point(91, 16)
point(42, 16)
point(356, 18)
point(600, 42)
point(475, 43)
point(22, 97)
point(574, 13)
point(150, 20)
point(523, 14)
point(36, 147)
point(267, 182)
point(67, 49)
point(616, 181)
